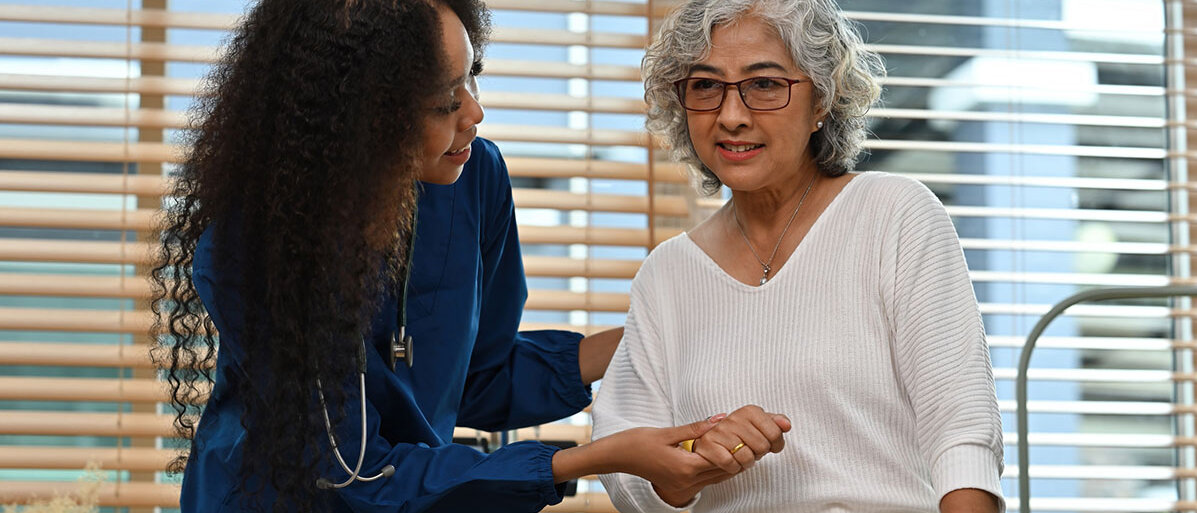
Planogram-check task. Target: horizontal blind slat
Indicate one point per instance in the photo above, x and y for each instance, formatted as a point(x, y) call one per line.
point(74, 355)
point(158, 18)
point(29, 422)
point(147, 185)
point(186, 87)
point(73, 458)
point(43, 47)
point(147, 219)
point(158, 118)
point(125, 494)
point(28, 388)
point(75, 251)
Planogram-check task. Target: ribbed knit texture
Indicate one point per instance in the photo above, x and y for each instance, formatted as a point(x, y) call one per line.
point(869, 339)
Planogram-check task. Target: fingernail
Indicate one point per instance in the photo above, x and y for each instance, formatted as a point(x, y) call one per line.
point(717, 418)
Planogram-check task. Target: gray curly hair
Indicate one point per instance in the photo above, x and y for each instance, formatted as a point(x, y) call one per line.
point(822, 43)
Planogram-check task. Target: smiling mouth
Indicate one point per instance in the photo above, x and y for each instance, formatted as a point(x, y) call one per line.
point(458, 151)
point(740, 148)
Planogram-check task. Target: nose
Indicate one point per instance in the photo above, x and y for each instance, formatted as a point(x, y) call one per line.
point(471, 112)
point(733, 114)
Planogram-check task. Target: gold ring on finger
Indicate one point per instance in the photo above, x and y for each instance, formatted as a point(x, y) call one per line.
point(737, 447)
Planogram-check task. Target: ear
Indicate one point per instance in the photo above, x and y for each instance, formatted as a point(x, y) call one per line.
point(821, 115)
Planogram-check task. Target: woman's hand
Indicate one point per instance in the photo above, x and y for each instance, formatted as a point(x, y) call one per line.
point(737, 442)
point(759, 431)
point(651, 453)
point(676, 474)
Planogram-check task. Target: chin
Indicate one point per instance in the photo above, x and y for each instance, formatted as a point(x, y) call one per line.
point(442, 176)
point(741, 179)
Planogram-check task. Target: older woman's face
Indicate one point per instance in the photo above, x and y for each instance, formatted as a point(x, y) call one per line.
point(750, 149)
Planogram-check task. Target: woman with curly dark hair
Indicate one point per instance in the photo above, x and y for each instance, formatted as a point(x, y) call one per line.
point(294, 235)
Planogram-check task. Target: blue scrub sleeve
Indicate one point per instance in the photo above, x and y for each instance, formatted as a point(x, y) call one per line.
point(516, 379)
point(516, 478)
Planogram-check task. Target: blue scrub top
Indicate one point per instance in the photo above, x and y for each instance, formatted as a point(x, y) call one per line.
point(471, 368)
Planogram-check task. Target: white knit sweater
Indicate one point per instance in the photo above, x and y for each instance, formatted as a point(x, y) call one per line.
point(869, 339)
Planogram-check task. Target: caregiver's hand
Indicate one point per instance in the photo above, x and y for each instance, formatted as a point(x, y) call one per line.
point(651, 453)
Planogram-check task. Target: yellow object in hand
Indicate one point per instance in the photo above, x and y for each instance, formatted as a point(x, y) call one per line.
point(688, 445)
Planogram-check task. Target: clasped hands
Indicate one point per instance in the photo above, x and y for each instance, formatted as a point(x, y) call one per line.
point(723, 445)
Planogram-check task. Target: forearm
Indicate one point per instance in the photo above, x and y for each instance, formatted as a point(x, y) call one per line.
point(583, 460)
point(594, 353)
point(968, 500)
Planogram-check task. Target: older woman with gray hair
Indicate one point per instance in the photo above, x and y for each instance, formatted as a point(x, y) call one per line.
point(836, 298)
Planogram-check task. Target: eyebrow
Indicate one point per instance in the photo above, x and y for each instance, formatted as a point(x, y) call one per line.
point(756, 66)
point(461, 79)
point(764, 65)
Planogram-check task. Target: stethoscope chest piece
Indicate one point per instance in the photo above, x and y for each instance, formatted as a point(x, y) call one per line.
point(401, 349)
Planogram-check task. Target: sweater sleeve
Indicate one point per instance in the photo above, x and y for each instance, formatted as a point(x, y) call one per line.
point(634, 393)
point(939, 345)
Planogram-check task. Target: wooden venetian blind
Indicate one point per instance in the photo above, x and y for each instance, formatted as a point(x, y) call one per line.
point(92, 97)
point(1055, 131)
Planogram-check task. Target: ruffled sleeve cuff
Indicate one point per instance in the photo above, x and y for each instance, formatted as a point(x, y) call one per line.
point(542, 468)
point(560, 351)
point(968, 466)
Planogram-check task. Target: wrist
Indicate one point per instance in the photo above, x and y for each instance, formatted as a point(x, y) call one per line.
point(583, 460)
point(566, 465)
point(675, 498)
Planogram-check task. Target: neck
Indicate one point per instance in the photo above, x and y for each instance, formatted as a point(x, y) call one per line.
point(763, 213)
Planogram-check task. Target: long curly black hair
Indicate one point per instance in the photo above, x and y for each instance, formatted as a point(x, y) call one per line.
point(305, 140)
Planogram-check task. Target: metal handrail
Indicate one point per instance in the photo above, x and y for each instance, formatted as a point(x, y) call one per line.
point(1024, 361)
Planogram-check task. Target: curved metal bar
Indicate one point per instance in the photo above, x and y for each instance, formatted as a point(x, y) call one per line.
point(1024, 361)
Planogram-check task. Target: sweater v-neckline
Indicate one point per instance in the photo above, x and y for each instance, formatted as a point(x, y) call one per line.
point(806, 241)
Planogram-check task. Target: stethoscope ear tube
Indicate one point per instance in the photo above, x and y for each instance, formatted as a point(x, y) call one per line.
point(401, 343)
point(401, 347)
point(355, 473)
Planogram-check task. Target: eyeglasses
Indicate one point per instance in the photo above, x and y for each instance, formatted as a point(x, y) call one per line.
point(702, 94)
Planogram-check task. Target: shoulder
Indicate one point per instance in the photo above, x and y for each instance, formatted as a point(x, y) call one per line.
point(486, 178)
point(668, 254)
point(880, 185)
point(485, 152)
point(658, 282)
point(486, 164)
point(481, 194)
point(219, 252)
point(895, 197)
point(664, 262)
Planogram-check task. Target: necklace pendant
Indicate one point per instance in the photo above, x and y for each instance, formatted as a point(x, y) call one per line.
point(765, 277)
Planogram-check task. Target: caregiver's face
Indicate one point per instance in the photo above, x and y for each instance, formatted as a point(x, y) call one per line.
point(452, 126)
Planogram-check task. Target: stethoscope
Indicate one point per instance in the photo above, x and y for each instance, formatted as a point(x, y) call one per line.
point(401, 349)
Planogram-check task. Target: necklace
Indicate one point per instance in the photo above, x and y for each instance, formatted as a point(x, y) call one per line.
point(766, 267)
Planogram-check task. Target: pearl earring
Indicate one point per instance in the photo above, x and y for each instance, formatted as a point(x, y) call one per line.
point(819, 125)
